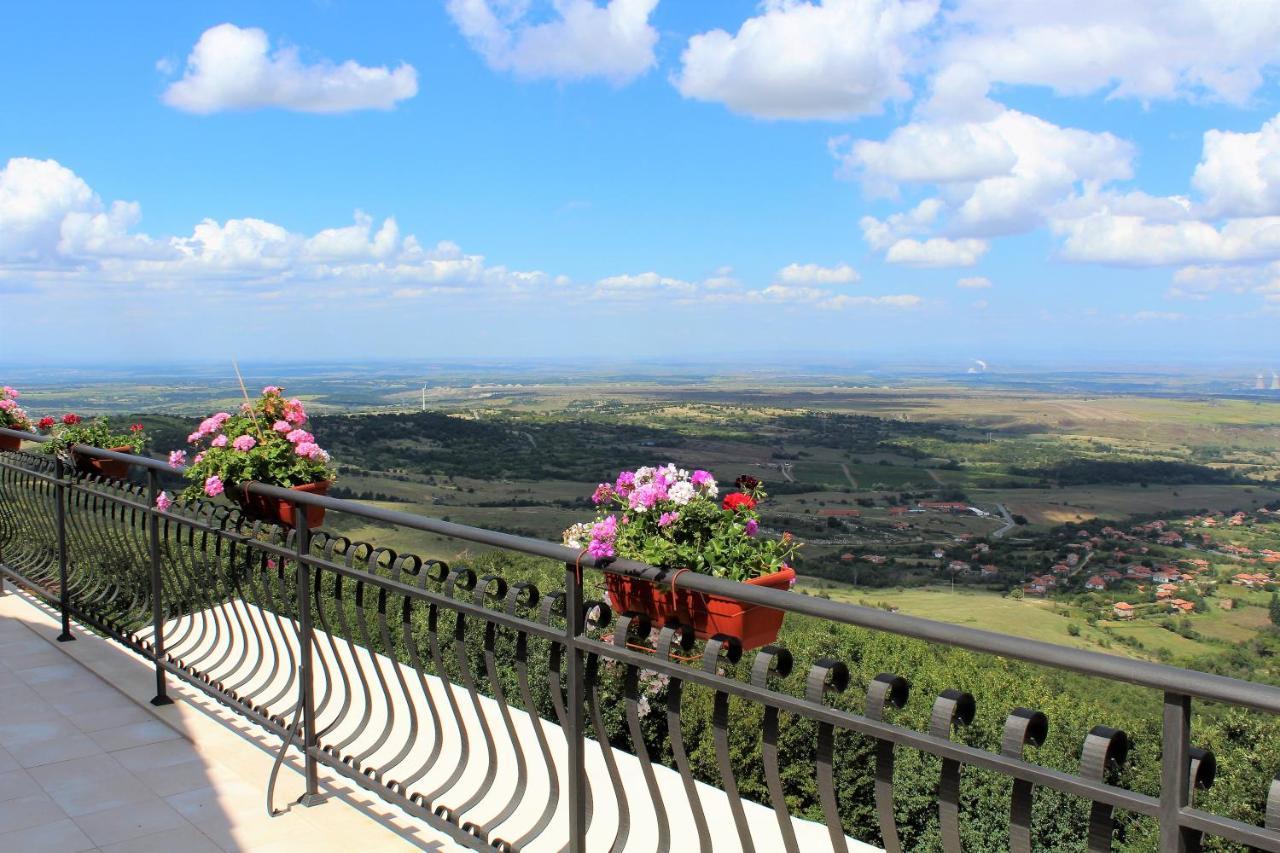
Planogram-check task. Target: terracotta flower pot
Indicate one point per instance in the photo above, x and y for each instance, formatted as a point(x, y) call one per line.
point(275, 511)
point(10, 443)
point(109, 468)
point(752, 624)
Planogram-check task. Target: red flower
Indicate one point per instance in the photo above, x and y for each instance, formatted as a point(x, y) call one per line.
point(737, 501)
point(136, 428)
point(45, 423)
point(70, 420)
point(747, 483)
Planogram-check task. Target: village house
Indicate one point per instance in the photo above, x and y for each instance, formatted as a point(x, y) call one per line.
point(1251, 581)
point(1095, 582)
point(1123, 610)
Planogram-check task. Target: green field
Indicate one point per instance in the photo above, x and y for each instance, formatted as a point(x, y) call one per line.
point(1047, 620)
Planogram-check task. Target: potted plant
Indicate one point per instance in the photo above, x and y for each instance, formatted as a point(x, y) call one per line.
point(12, 417)
point(98, 432)
point(265, 443)
point(670, 518)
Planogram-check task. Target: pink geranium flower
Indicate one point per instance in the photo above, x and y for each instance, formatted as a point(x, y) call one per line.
point(308, 449)
point(245, 443)
point(163, 501)
point(213, 486)
point(177, 459)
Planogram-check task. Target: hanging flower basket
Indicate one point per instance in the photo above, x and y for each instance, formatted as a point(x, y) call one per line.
point(281, 512)
point(266, 442)
point(669, 517)
point(12, 417)
point(752, 624)
point(73, 429)
point(110, 468)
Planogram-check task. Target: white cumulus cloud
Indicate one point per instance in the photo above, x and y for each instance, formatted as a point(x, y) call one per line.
point(1110, 238)
point(1217, 49)
point(234, 68)
point(832, 59)
point(816, 274)
point(54, 227)
point(937, 252)
point(582, 39)
point(997, 170)
point(976, 282)
point(1239, 173)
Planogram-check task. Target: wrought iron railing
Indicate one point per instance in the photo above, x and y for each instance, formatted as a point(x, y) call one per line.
point(491, 707)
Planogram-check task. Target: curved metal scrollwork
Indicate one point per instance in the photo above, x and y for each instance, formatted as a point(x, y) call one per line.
point(827, 676)
point(885, 691)
point(953, 708)
point(1023, 727)
point(774, 663)
point(1105, 750)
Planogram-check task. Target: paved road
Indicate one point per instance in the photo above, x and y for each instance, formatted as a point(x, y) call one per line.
point(1008, 522)
point(849, 474)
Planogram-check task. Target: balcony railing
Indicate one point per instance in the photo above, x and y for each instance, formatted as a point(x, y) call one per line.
point(514, 717)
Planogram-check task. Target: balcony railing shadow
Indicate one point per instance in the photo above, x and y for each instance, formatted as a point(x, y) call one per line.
point(106, 770)
point(519, 713)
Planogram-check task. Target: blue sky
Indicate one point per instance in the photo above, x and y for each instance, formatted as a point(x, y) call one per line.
point(640, 179)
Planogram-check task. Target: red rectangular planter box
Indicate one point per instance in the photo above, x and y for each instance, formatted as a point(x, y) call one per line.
point(112, 469)
point(281, 512)
point(752, 624)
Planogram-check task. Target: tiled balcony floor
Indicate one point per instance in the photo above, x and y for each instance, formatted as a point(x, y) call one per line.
point(87, 764)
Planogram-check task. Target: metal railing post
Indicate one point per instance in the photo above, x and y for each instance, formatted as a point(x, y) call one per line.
point(302, 541)
point(576, 735)
point(1175, 762)
point(157, 589)
point(60, 514)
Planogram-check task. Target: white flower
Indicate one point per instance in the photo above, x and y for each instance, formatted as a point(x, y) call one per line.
point(578, 535)
point(644, 475)
point(682, 492)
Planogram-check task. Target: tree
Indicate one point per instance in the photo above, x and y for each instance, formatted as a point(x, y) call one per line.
point(1274, 609)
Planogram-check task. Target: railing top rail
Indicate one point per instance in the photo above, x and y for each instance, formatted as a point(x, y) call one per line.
point(1147, 674)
